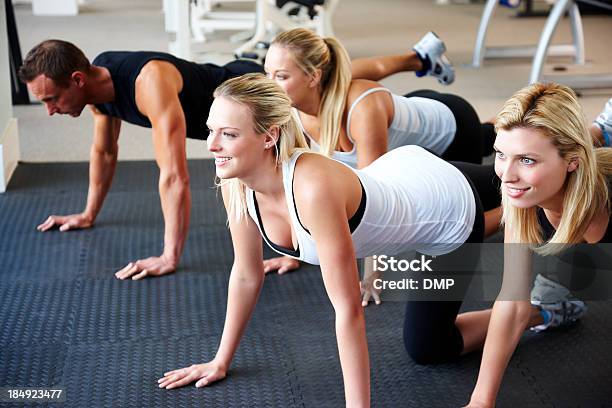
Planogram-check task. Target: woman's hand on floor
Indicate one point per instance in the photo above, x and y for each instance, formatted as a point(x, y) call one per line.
point(368, 291)
point(202, 374)
point(282, 264)
point(142, 268)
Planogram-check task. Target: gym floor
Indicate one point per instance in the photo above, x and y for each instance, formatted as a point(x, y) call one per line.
point(65, 321)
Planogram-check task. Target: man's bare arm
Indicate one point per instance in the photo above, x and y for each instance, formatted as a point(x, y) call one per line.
point(157, 89)
point(102, 163)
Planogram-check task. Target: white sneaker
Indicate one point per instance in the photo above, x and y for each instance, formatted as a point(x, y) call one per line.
point(604, 121)
point(561, 314)
point(560, 307)
point(546, 290)
point(433, 48)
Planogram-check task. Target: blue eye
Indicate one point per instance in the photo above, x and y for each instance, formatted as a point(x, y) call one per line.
point(499, 155)
point(527, 160)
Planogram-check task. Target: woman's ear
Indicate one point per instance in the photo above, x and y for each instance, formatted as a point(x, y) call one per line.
point(315, 78)
point(572, 165)
point(272, 136)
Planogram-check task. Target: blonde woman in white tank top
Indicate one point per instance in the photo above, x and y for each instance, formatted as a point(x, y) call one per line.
point(261, 158)
point(355, 120)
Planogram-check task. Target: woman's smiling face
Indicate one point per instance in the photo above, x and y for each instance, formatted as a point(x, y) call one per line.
point(237, 148)
point(530, 168)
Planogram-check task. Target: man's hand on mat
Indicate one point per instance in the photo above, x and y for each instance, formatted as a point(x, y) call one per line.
point(66, 222)
point(368, 291)
point(281, 264)
point(203, 374)
point(153, 266)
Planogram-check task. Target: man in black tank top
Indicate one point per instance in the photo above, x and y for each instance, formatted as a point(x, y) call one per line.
point(150, 89)
point(156, 90)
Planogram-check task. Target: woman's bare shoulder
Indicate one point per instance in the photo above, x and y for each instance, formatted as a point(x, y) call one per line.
point(313, 171)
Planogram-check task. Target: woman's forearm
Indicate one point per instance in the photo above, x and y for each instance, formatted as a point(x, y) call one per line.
point(508, 322)
point(353, 349)
point(242, 296)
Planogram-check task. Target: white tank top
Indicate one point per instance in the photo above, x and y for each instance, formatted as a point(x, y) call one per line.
point(414, 201)
point(416, 121)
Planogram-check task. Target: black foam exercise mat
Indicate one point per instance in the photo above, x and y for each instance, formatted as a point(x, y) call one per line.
point(65, 321)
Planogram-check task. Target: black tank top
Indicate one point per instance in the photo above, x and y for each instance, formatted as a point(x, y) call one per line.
point(548, 230)
point(199, 82)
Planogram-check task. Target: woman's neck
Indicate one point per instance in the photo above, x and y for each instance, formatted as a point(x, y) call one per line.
point(311, 105)
point(267, 180)
point(554, 205)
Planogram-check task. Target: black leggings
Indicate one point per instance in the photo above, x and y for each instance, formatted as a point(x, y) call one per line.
point(472, 140)
point(240, 67)
point(430, 333)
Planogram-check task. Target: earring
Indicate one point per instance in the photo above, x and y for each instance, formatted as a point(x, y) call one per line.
point(277, 154)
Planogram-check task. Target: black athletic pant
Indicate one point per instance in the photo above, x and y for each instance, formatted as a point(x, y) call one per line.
point(473, 140)
point(240, 67)
point(430, 334)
